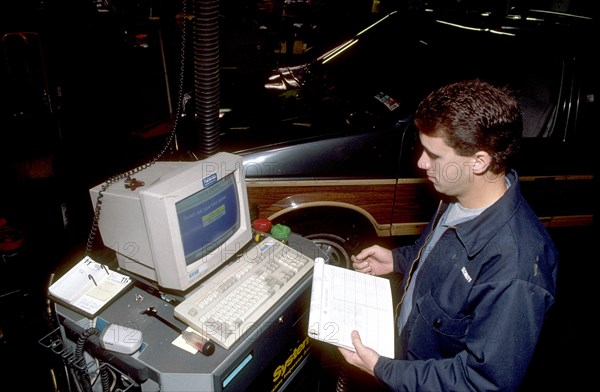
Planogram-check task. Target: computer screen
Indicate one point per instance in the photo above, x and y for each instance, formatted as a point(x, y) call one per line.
point(186, 220)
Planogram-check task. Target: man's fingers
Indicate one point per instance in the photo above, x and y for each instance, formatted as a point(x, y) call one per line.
point(362, 266)
point(356, 341)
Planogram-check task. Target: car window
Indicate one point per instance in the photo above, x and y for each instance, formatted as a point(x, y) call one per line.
point(534, 73)
point(400, 62)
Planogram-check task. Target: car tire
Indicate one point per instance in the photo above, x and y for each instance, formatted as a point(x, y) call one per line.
point(333, 247)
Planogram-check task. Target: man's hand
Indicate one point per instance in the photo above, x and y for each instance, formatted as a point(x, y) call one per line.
point(364, 358)
point(374, 260)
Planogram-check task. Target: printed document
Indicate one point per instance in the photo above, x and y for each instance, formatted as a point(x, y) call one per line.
point(344, 300)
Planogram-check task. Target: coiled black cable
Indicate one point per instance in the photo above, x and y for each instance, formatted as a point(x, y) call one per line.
point(105, 379)
point(342, 380)
point(82, 374)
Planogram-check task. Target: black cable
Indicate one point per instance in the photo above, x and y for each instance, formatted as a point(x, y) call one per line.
point(106, 379)
point(82, 374)
point(342, 381)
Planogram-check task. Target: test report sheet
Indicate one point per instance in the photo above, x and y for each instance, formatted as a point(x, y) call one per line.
point(344, 300)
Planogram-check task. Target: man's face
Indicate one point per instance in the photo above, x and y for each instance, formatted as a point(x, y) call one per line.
point(451, 174)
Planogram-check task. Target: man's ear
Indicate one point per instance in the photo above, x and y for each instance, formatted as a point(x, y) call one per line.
point(482, 162)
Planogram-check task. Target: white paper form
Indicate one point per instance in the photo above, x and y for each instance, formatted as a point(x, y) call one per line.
point(344, 300)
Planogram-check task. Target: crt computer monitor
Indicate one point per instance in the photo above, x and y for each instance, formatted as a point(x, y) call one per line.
point(184, 222)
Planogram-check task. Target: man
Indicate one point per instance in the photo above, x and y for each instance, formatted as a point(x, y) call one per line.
point(481, 278)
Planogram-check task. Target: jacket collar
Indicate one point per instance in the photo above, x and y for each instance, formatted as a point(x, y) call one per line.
point(476, 233)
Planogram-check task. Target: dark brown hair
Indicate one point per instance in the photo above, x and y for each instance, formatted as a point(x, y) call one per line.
point(471, 116)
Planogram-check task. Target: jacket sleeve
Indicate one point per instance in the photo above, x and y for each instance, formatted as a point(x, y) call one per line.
point(403, 256)
point(497, 350)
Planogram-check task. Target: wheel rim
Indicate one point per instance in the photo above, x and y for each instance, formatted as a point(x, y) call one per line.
point(333, 248)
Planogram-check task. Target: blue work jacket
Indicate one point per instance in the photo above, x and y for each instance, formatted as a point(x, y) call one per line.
point(479, 303)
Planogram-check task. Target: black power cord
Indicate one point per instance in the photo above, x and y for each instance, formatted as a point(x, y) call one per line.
point(82, 374)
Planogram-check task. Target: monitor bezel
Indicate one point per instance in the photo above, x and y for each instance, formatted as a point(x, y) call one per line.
point(158, 203)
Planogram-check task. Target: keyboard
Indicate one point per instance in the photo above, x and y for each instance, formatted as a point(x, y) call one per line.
point(231, 301)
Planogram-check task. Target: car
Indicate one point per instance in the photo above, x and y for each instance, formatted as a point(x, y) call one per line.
point(338, 162)
point(347, 169)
